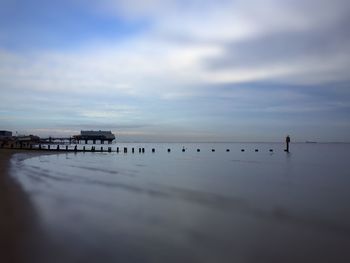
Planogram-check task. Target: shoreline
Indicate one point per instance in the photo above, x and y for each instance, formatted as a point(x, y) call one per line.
point(25, 237)
point(19, 226)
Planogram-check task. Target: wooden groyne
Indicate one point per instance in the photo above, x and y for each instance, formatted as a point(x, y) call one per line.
point(93, 148)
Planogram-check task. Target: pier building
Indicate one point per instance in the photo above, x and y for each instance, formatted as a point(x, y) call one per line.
point(94, 136)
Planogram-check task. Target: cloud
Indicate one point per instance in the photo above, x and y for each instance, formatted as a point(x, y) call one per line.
point(195, 42)
point(197, 67)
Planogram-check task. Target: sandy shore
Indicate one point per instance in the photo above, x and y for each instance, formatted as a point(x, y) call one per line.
point(138, 220)
point(19, 230)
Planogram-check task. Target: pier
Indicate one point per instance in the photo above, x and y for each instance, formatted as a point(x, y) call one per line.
point(85, 137)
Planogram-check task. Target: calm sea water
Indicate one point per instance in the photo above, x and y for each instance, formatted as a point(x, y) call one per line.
point(193, 206)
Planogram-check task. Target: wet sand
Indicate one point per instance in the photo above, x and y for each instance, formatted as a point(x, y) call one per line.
point(117, 216)
point(19, 231)
point(15, 214)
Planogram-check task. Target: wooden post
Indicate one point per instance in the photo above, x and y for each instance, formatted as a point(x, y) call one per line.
point(287, 144)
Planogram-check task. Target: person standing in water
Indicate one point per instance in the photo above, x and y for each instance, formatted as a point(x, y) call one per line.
point(287, 143)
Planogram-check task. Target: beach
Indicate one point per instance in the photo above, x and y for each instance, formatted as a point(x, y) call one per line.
point(21, 239)
point(16, 215)
point(177, 207)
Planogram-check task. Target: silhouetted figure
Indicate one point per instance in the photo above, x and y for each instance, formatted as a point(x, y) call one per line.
point(287, 143)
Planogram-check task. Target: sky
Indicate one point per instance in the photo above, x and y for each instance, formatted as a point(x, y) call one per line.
point(162, 70)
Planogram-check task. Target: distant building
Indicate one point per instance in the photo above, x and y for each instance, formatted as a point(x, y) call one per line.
point(5, 134)
point(95, 135)
point(29, 139)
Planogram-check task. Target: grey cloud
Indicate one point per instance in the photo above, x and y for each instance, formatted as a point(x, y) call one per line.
point(284, 47)
point(105, 126)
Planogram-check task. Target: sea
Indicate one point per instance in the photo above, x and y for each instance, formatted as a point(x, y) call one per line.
point(200, 202)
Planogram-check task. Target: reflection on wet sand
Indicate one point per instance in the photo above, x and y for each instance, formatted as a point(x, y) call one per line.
point(188, 208)
point(20, 234)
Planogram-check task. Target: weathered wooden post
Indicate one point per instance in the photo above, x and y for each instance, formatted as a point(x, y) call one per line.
point(101, 149)
point(58, 147)
point(125, 150)
point(48, 147)
point(133, 150)
point(143, 150)
point(117, 149)
point(66, 148)
point(287, 144)
point(109, 149)
point(39, 146)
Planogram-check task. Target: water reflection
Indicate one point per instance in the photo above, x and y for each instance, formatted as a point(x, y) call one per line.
point(193, 206)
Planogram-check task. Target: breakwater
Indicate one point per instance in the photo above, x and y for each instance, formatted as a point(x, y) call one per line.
point(117, 149)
